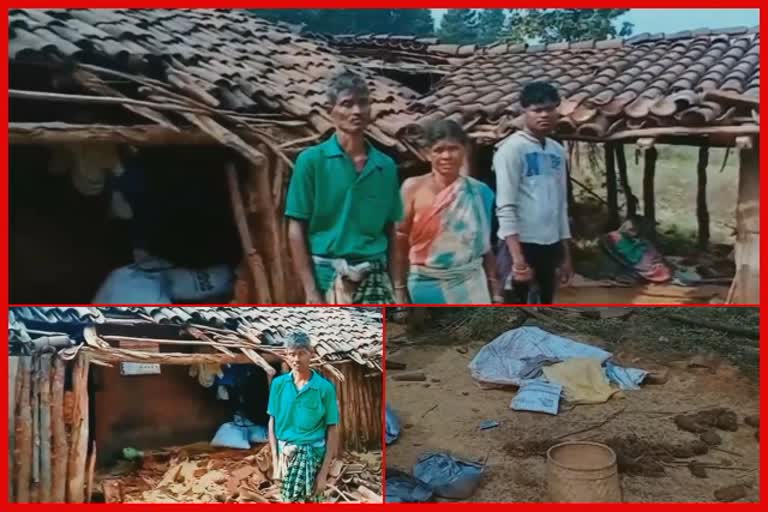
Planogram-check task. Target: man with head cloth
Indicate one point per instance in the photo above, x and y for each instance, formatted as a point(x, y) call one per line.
point(303, 419)
point(342, 203)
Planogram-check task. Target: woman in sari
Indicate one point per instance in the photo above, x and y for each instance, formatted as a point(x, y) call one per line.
point(444, 241)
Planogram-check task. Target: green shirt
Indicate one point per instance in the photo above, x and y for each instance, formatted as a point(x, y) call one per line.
point(346, 211)
point(302, 416)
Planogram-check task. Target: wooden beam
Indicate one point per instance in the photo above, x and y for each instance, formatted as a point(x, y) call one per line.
point(702, 212)
point(60, 449)
point(732, 99)
point(611, 185)
point(13, 393)
point(34, 493)
point(100, 100)
point(747, 281)
point(629, 197)
point(649, 194)
point(682, 131)
point(139, 135)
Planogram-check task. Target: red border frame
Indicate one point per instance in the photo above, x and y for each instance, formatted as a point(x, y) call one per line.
point(374, 4)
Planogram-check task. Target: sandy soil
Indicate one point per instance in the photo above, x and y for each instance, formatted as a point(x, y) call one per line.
point(444, 414)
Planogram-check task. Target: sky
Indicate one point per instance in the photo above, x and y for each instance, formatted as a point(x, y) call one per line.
point(674, 20)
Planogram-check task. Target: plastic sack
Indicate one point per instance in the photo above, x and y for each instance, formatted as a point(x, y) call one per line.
point(448, 476)
point(393, 425)
point(403, 488)
point(625, 378)
point(140, 283)
point(230, 435)
point(188, 284)
point(501, 362)
point(538, 396)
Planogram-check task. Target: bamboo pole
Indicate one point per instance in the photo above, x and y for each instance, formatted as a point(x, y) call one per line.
point(45, 428)
point(702, 212)
point(90, 474)
point(252, 258)
point(747, 288)
point(683, 131)
point(99, 100)
point(140, 135)
point(24, 433)
point(60, 449)
point(121, 355)
point(649, 194)
point(78, 450)
point(611, 185)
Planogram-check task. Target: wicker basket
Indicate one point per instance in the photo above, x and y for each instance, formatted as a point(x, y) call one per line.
point(582, 472)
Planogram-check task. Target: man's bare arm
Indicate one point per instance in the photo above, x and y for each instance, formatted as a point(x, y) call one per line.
point(302, 261)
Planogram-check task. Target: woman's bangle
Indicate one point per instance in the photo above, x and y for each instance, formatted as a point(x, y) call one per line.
point(401, 287)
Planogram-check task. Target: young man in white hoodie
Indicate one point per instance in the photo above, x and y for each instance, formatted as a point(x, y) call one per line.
point(532, 199)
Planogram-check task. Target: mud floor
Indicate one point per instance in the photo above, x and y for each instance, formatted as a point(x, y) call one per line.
point(444, 413)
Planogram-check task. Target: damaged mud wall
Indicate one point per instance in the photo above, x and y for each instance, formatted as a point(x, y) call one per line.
point(360, 406)
point(152, 411)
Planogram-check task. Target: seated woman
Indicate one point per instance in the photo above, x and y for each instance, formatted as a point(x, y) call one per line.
point(444, 242)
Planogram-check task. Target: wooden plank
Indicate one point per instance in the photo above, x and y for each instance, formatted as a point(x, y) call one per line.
point(649, 193)
point(747, 289)
point(118, 355)
point(78, 450)
point(702, 211)
point(45, 428)
point(732, 99)
point(683, 131)
point(60, 448)
point(91, 473)
point(24, 433)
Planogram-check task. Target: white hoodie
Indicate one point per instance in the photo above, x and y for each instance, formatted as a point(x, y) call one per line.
point(531, 189)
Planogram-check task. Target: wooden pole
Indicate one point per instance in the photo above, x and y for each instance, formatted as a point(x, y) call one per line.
point(252, 258)
point(24, 433)
point(78, 450)
point(611, 185)
point(13, 374)
point(649, 194)
point(702, 212)
point(44, 379)
point(748, 228)
point(60, 448)
point(140, 135)
point(35, 488)
point(629, 197)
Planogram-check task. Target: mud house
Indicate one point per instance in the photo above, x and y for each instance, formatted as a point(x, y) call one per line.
point(696, 88)
point(169, 130)
point(87, 383)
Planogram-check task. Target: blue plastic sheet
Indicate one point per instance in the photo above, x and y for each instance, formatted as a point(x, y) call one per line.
point(240, 433)
point(449, 476)
point(625, 378)
point(403, 488)
point(392, 426)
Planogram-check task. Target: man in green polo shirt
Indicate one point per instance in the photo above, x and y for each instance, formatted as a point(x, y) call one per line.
point(303, 419)
point(343, 201)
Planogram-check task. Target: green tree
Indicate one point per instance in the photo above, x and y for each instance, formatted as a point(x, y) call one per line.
point(556, 25)
point(459, 26)
point(417, 22)
point(491, 25)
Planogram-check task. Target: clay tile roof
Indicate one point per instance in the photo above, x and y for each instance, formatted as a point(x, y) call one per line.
point(651, 80)
point(338, 334)
point(235, 40)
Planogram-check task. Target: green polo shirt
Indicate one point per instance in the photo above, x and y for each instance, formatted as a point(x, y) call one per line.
point(302, 416)
point(346, 211)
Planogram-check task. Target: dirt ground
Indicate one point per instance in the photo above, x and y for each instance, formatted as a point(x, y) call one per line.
point(444, 412)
